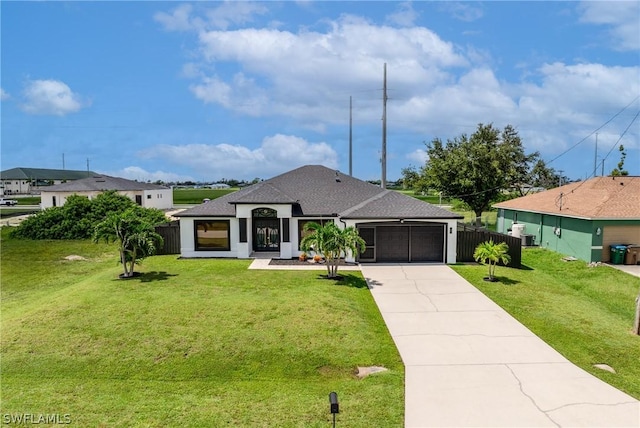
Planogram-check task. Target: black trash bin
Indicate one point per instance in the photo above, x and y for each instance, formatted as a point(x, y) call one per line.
point(617, 254)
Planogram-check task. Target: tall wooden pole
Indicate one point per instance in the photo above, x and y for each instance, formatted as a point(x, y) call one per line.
point(383, 158)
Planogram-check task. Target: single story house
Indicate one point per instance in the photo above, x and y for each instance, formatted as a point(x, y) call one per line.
point(270, 216)
point(581, 219)
point(24, 181)
point(144, 194)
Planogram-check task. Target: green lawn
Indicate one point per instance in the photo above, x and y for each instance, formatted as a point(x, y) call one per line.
point(189, 343)
point(586, 313)
point(195, 196)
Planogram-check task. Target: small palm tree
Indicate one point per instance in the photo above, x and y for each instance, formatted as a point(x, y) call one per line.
point(136, 238)
point(492, 253)
point(333, 243)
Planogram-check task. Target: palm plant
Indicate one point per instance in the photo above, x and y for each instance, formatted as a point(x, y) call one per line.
point(136, 238)
point(491, 253)
point(333, 243)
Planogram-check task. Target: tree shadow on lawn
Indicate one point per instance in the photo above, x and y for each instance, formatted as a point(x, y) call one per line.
point(506, 281)
point(149, 276)
point(347, 280)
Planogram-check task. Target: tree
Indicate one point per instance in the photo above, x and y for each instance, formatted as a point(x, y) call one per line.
point(491, 253)
point(478, 168)
point(135, 235)
point(543, 176)
point(618, 171)
point(332, 242)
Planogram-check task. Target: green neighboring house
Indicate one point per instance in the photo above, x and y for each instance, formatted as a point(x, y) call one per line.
point(581, 219)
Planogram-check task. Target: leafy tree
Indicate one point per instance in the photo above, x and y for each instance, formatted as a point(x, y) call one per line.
point(491, 253)
point(135, 235)
point(77, 218)
point(410, 177)
point(333, 243)
point(618, 171)
point(543, 176)
point(476, 168)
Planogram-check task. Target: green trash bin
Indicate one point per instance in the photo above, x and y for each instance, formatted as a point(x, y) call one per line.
point(617, 254)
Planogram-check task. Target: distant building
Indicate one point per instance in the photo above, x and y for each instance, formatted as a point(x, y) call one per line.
point(144, 194)
point(25, 181)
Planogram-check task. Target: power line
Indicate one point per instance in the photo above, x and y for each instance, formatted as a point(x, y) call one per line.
point(594, 131)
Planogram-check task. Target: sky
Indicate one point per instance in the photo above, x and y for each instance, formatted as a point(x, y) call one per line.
point(205, 91)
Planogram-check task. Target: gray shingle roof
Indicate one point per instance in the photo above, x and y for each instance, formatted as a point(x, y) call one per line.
point(43, 174)
point(101, 183)
point(316, 191)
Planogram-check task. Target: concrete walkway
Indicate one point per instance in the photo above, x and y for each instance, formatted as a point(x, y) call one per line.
point(470, 364)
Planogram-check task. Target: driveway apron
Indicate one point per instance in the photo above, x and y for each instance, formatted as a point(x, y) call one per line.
point(468, 363)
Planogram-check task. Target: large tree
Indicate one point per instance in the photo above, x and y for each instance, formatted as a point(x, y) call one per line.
point(477, 168)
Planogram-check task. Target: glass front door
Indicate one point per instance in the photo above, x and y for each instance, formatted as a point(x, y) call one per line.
point(266, 234)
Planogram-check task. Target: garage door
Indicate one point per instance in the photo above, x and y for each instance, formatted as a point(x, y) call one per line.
point(410, 243)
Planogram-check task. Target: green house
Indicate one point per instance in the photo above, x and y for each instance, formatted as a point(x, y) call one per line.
point(581, 219)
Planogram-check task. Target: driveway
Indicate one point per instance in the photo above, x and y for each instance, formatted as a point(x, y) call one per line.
point(469, 363)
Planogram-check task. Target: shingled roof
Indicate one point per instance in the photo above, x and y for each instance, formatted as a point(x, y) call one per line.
point(43, 174)
point(318, 191)
point(102, 183)
point(598, 198)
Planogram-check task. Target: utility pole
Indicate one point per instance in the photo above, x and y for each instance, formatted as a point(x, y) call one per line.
point(63, 161)
point(595, 159)
point(383, 159)
point(560, 171)
point(350, 136)
point(87, 167)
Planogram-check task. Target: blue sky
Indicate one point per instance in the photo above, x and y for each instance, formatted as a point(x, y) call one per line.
point(209, 90)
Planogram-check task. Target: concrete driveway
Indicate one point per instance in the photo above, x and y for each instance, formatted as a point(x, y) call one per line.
point(470, 364)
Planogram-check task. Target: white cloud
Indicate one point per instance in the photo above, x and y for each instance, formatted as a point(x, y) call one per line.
point(405, 15)
point(276, 154)
point(225, 15)
point(139, 174)
point(50, 97)
point(436, 88)
point(467, 12)
point(622, 18)
point(4, 95)
point(418, 156)
point(308, 75)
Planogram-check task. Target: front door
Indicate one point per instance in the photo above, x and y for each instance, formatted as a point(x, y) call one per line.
point(266, 234)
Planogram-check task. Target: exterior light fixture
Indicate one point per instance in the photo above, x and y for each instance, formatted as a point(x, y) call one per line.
point(334, 407)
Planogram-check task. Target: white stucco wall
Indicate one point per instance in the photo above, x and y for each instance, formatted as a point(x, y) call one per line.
point(161, 199)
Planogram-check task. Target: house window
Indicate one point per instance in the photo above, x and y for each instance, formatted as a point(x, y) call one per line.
point(285, 230)
point(212, 235)
point(148, 196)
point(242, 225)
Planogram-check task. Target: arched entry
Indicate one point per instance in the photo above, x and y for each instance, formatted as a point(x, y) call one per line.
point(266, 229)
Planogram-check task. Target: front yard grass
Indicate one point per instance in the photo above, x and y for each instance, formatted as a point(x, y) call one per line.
point(585, 313)
point(189, 342)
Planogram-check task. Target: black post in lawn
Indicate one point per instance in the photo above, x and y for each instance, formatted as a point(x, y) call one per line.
point(334, 407)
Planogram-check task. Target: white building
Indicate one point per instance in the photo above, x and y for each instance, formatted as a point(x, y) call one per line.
point(144, 194)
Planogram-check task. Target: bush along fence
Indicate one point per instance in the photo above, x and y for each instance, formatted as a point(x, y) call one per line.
point(469, 237)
